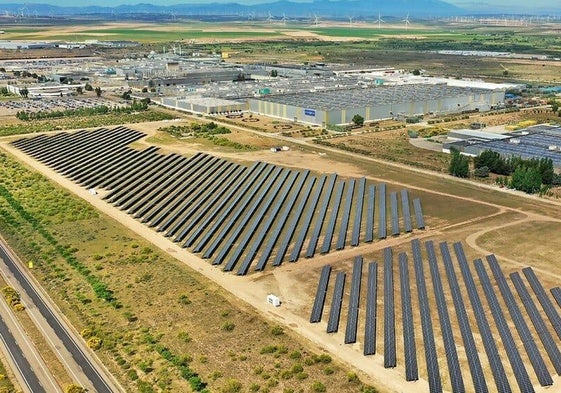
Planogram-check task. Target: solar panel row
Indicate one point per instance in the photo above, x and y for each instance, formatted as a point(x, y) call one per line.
point(390, 359)
point(382, 229)
point(454, 370)
point(369, 235)
point(321, 217)
point(431, 356)
point(370, 322)
point(344, 226)
point(534, 355)
point(296, 218)
point(497, 368)
point(556, 293)
point(333, 218)
point(321, 292)
point(306, 222)
point(410, 349)
point(256, 236)
point(358, 212)
point(512, 353)
point(335, 312)
point(418, 213)
point(394, 214)
point(205, 217)
point(231, 232)
point(194, 200)
point(538, 322)
point(282, 220)
point(550, 311)
point(465, 329)
point(354, 300)
point(406, 211)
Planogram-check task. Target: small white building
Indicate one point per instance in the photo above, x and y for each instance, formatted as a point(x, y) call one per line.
point(274, 300)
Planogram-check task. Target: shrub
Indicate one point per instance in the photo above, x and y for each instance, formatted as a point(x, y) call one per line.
point(352, 377)
point(301, 376)
point(481, 172)
point(318, 387)
point(277, 330)
point(132, 375)
point(295, 355)
point(254, 387)
point(72, 388)
point(232, 386)
point(228, 326)
point(94, 342)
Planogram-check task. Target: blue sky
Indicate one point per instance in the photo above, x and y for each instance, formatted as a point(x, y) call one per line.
point(511, 4)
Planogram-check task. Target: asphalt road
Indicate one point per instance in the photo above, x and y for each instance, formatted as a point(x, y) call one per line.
point(98, 381)
point(25, 373)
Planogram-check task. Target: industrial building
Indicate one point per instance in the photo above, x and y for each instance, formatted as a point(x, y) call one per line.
point(338, 106)
point(200, 104)
point(542, 141)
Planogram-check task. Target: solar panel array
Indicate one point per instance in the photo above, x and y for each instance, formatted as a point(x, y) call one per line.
point(240, 217)
point(469, 337)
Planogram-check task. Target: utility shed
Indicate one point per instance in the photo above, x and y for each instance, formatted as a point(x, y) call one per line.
point(274, 300)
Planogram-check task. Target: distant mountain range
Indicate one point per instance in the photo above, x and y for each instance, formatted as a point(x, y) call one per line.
point(343, 9)
point(321, 8)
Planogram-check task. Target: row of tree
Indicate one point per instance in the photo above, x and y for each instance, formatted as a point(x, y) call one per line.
point(135, 106)
point(528, 175)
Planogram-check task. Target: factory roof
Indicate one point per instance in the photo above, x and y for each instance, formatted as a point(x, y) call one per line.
point(339, 99)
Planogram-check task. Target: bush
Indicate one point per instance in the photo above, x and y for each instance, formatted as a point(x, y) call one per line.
point(277, 330)
point(352, 377)
point(72, 388)
point(94, 342)
point(295, 355)
point(232, 386)
point(481, 172)
point(318, 387)
point(228, 326)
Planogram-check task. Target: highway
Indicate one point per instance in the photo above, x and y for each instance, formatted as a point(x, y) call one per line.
point(98, 378)
point(23, 370)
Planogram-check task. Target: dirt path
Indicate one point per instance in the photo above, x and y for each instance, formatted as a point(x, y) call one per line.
point(471, 240)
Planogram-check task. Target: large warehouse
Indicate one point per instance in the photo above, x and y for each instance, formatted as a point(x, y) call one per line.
point(375, 103)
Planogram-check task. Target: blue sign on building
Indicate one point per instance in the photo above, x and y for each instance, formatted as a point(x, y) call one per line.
point(309, 112)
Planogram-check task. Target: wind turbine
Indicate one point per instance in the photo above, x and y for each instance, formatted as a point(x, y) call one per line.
point(270, 18)
point(406, 20)
point(316, 20)
point(350, 21)
point(379, 21)
point(284, 19)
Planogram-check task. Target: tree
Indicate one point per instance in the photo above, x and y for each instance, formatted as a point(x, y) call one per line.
point(88, 87)
point(145, 90)
point(98, 91)
point(459, 164)
point(416, 72)
point(526, 179)
point(358, 120)
point(24, 92)
point(125, 96)
point(274, 73)
point(79, 90)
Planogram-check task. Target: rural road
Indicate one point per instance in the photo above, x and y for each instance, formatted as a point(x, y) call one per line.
point(69, 348)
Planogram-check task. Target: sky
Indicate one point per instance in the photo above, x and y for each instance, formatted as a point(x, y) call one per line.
point(471, 4)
